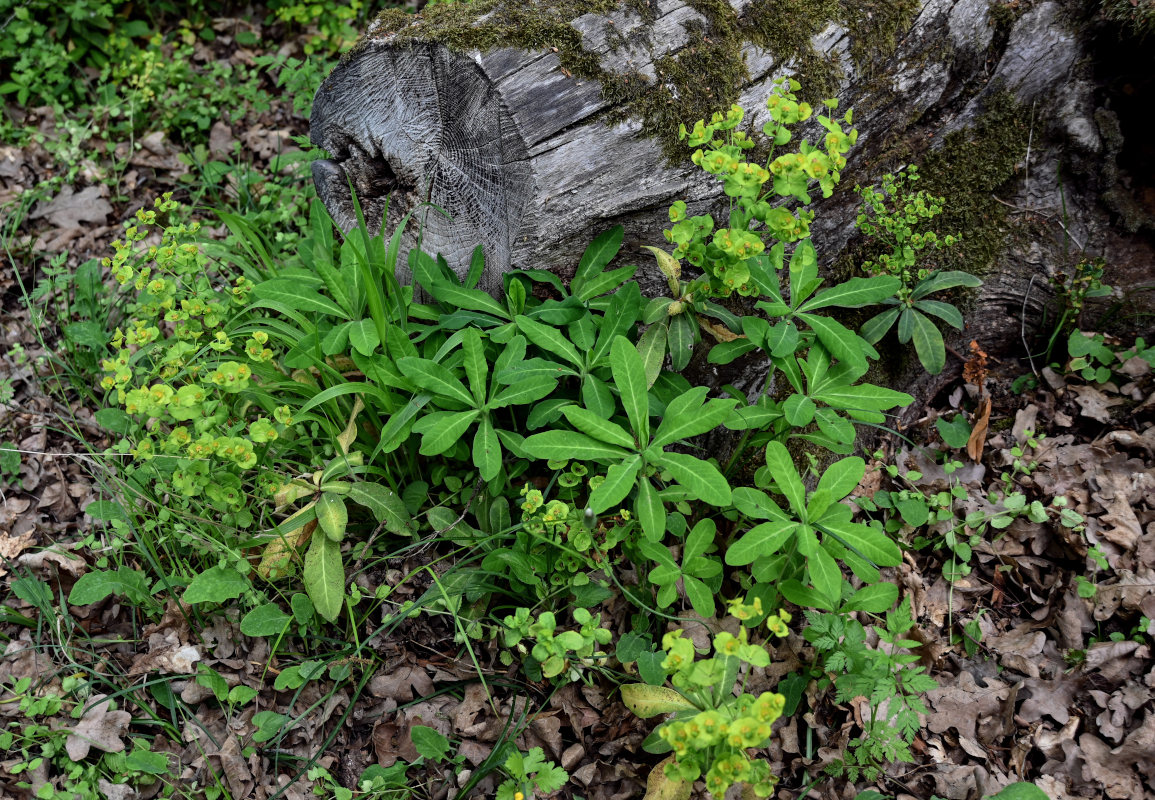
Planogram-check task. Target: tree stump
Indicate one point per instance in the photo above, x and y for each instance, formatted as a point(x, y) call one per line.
point(529, 127)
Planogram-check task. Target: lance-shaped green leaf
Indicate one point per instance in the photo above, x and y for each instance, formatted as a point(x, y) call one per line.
point(825, 575)
point(549, 338)
point(650, 510)
point(944, 280)
point(598, 255)
point(680, 340)
point(385, 506)
point(756, 504)
point(476, 367)
point(944, 311)
point(854, 293)
point(803, 272)
point(841, 477)
point(840, 341)
point(652, 348)
point(291, 292)
point(870, 543)
point(876, 327)
point(928, 343)
point(862, 397)
point(435, 378)
point(764, 539)
point(700, 478)
point(440, 430)
point(781, 467)
point(525, 391)
point(630, 379)
point(324, 576)
point(563, 445)
point(598, 427)
point(619, 480)
point(472, 299)
point(486, 450)
point(686, 417)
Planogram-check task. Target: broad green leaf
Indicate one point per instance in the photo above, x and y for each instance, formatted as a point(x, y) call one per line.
point(825, 575)
point(265, 620)
point(944, 280)
point(475, 365)
point(471, 299)
point(872, 544)
point(803, 272)
point(440, 430)
point(630, 379)
point(324, 576)
point(573, 446)
point(435, 378)
point(804, 596)
point(598, 427)
point(781, 467)
point(332, 515)
point(863, 397)
point(549, 338)
point(92, 587)
point(842, 476)
point(476, 267)
point(928, 343)
point(292, 293)
point(761, 540)
point(680, 340)
point(619, 480)
point(798, 410)
point(683, 422)
point(944, 311)
point(782, 339)
point(268, 724)
point(728, 352)
point(854, 293)
point(597, 396)
point(700, 478)
point(429, 743)
point(604, 283)
point(486, 450)
point(650, 510)
point(700, 596)
point(840, 341)
point(877, 598)
point(650, 701)
point(834, 427)
point(598, 255)
point(1021, 791)
point(699, 539)
point(905, 325)
point(529, 390)
point(364, 337)
point(652, 348)
point(657, 310)
point(876, 327)
point(756, 504)
point(218, 584)
point(385, 506)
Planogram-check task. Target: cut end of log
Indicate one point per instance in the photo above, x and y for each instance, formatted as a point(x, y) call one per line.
point(419, 132)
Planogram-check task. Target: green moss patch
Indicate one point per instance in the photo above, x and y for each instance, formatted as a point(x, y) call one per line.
point(701, 78)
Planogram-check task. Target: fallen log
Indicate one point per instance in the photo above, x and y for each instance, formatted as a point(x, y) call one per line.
point(529, 127)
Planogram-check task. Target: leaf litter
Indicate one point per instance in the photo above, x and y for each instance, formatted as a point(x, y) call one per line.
point(1060, 690)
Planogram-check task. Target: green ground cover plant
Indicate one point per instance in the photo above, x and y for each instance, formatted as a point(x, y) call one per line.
point(321, 415)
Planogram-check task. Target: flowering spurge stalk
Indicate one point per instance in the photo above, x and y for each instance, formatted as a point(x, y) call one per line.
point(712, 728)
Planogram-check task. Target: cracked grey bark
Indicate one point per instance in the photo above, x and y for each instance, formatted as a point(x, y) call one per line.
point(518, 154)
